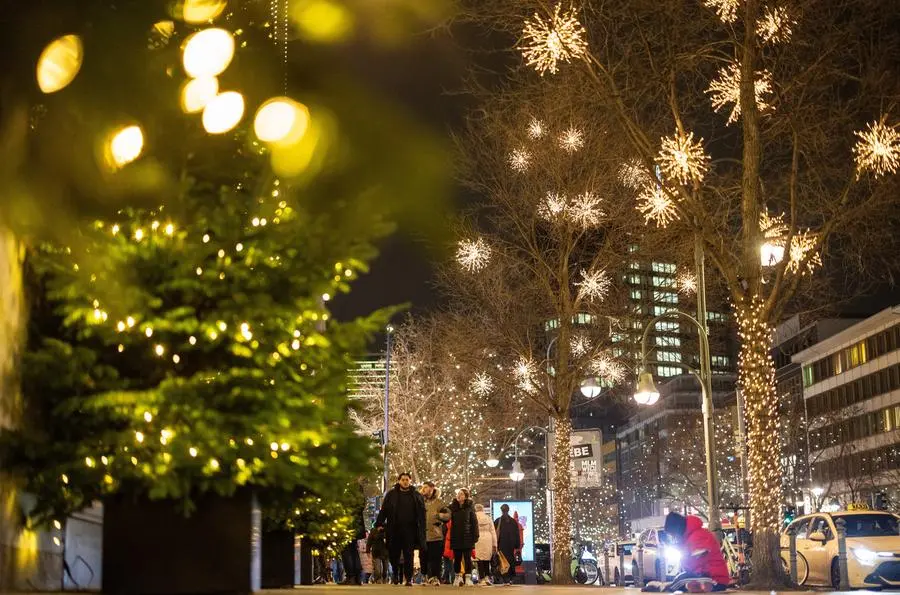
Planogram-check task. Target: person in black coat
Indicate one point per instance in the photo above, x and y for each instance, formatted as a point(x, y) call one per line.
point(463, 535)
point(403, 517)
point(508, 540)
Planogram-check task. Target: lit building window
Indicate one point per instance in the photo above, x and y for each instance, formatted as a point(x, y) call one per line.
point(720, 361)
point(667, 341)
point(667, 371)
point(636, 294)
point(663, 267)
point(633, 279)
point(665, 297)
point(633, 248)
point(660, 310)
point(667, 325)
point(715, 317)
point(668, 356)
point(634, 266)
point(663, 281)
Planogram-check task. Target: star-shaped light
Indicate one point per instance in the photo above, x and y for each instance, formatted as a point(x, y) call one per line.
point(585, 210)
point(655, 205)
point(535, 129)
point(548, 41)
point(683, 159)
point(803, 257)
point(726, 90)
point(580, 345)
point(877, 149)
point(772, 227)
point(553, 206)
point(634, 175)
point(519, 160)
point(726, 9)
point(571, 140)
point(594, 285)
point(775, 26)
point(686, 283)
point(607, 368)
point(473, 255)
point(481, 384)
point(525, 372)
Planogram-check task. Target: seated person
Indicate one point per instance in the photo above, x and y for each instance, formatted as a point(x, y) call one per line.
point(701, 554)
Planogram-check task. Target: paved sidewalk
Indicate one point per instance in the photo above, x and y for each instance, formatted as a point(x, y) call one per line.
point(513, 590)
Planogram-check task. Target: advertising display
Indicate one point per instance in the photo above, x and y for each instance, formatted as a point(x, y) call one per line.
point(523, 512)
point(586, 468)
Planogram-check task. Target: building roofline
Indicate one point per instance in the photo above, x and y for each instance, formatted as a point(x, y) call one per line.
point(850, 334)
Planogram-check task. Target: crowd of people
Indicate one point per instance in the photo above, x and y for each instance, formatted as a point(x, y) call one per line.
point(418, 537)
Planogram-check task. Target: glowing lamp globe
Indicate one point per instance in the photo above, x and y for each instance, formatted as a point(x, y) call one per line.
point(281, 120)
point(59, 63)
point(771, 254)
point(517, 474)
point(197, 93)
point(125, 145)
point(646, 392)
point(208, 52)
point(223, 113)
point(492, 462)
point(591, 388)
point(201, 11)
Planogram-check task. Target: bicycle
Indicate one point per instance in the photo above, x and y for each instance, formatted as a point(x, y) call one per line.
point(738, 562)
point(802, 566)
point(585, 570)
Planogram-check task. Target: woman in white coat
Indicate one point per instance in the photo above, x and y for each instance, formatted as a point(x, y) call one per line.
point(486, 546)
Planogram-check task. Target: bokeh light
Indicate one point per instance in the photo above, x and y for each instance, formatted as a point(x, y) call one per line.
point(125, 145)
point(197, 93)
point(281, 120)
point(323, 21)
point(223, 113)
point(197, 12)
point(59, 63)
point(208, 52)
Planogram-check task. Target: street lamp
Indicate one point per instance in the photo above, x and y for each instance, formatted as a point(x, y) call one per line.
point(646, 392)
point(771, 253)
point(492, 462)
point(389, 333)
point(591, 388)
point(517, 474)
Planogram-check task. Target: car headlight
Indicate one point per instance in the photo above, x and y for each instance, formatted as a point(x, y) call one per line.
point(673, 556)
point(864, 555)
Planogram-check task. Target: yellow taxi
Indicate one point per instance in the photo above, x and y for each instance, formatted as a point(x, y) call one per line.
point(873, 548)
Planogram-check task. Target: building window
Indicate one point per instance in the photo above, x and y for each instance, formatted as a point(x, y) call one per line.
point(663, 281)
point(663, 267)
point(859, 353)
point(632, 248)
point(665, 297)
point(667, 341)
point(667, 325)
point(668, 356)
point(637, 294)
point(634, 266)
point(715, 317)
point(720, 361)
point(667, 371)
point(633, 279)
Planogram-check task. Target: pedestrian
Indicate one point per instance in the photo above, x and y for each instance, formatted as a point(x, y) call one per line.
point(447, 576)
point(436, 516)
point(365, 559)
point(403, 517)
point(463, 536)
point(377, 548)
point(701, 554)
point(508, 541)
point(486, 546)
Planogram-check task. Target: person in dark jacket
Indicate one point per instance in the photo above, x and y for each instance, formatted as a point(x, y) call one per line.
point(701, 554)
point(403, 516)
point(463, 536)
point(377, 547)
point(509, 539)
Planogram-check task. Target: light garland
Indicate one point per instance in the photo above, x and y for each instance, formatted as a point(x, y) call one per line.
point(633, 174)
point(594, 285)
point(473, 255)
point(776, 25)
point(877, 149)
point(547, 42)
point(608, 368)
point(655, 205)
point(562, 490)
point(803, 257)
point(571, 139)
point(725, 90)
point(535, 129)
point(686, 282)
point(585, 211)
point(519, 160)
point(482, 385)
point(683, 159)
point(726, 9)
point(553, 206)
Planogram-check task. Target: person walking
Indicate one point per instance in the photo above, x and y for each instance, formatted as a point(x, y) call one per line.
point(463, 536)
point(403, 517)
point(377, 548)
point(486, 546)
point(436, 515)
point(508, 541)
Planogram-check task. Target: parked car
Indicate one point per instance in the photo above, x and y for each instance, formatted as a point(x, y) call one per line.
point(619, 563)
point(662, 560)
point(873, 549)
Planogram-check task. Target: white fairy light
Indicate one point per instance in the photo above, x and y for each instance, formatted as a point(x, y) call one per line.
point(683, 159)
point(524, 373)
point(726, 90)
point(473, 255)
point(535, 128)
point(726, 9)
point(594, 285)
point(803, 257)
point(772, 227)
point(775, 26)
point(686, 283)
point(519, 160)
point(655, 205)
point(547, 42)
point(605, 366)
point(580, 345)
point(481, 384)
point(585, 210)
point(571, 139)
point(878, 149)
point(553, 206)
point(634, 175)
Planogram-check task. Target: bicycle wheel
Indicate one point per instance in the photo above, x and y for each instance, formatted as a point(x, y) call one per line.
point(802, 567)
point(590, 570)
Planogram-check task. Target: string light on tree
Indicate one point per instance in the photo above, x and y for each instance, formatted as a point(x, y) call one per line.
point(633, 174)
point(772, 227)
point(594, 285)
point(553, 206)
point(571, 139)
point(608, 368)
point(776, 25)
point(525, 372)
point(519, 160)
point(683, 159)
point(726, 9)
point(585, 211)
point(580, 345)
point(803, 256)
point(482, 384)
point(535, 129)
point(725, 90)
point(473, 255)
point(549, 41)
point(655, 205)
point(877, 149)
point(686, 282)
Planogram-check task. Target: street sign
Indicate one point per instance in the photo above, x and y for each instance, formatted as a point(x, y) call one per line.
point(586, 466)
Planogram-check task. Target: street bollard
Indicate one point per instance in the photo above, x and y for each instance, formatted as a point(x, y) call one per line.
point(841, 525)
point(639, 579)
point(606, 566)
point(792, 533)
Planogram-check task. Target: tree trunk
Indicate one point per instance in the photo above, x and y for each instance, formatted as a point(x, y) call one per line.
point(561, 531)
point(757, 379)
point(12, 331)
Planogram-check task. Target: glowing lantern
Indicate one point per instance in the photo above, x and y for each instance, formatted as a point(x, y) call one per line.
point(197, 93)
point(281, 120)
point(223, 113)
point(125, 145)
point(59, 63)
point(208, 52)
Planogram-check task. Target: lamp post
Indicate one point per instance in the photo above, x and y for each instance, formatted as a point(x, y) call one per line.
point(389, 331)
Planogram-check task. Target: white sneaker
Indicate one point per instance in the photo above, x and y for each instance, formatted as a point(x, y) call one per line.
point(469, 580)
point(459, 582)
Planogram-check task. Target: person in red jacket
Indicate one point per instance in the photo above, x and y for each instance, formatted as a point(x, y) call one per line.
point(701, 554)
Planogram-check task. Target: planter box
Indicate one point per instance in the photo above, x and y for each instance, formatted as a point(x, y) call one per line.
point(280, 557)
point(151, 548)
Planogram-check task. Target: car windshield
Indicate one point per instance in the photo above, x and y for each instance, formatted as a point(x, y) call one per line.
point(626, 549)
point(665, 538)
point(870, 525)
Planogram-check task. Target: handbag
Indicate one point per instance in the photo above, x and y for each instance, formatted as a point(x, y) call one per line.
point(504, 563)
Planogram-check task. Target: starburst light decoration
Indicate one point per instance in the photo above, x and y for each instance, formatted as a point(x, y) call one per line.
point(594, 285)
point(803, 257)
point(473, 255)
point(877, 149)
point(726, 9)
point(553, 206)
point(775, 26)
point(482, 385)
point(585, 210)
point(535, 129)
point(525, 373)
point(655, 205)
point(607, 368)
point(519, 160)
point(634, 175)
point(548, 41)
point(772, 227)
point(683, 159)
point(580, 345)
point(725, 90)
point(686, 283)
point(571, 140)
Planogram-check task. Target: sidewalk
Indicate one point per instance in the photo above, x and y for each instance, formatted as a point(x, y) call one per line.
point(516, 589)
